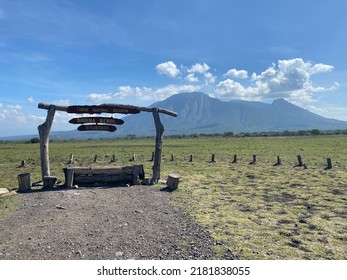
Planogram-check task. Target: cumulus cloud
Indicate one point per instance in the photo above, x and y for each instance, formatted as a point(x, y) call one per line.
point(169, 90)
point(30, 99)
point(237, 74)
point(19, 120)
point(199, 68)
point(141, 93)
point(191, 78)
point(291, 79)
point(168, 69)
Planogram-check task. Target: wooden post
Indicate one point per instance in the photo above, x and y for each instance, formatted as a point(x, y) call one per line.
point(299, 161)
point(213, 159)
point(329, 164)
point(235, 159)
point(172, 157)
point(254, 159)
point(133, 158)
point(23, 164)
point(69, 176)
point(278, 163)
point(49, 182)
point(152, 158)
point(191, 158)
point(113, 158)
point(95, 158)
point(158, 146)
point(44, 130)
point(24, 182)
point(172, 181)
point(71, 160)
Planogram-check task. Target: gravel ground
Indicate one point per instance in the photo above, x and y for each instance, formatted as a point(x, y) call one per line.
point(134, 222)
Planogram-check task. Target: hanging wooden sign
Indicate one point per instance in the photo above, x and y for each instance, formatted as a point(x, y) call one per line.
point(96, 120)
point(113, 109)
point(109, 128)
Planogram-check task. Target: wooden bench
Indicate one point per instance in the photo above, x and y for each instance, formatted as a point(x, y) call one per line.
point(99, 176)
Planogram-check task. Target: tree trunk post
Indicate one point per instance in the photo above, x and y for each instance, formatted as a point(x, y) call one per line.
point(113, 158)
point(71, 160)
point(95, 158)
point(235, 159)
point(300, 161)
point(254, 159)
point(213, 158)
point(172, 157)
point(24, 182)
point(329, 164)
point(49, 182)
point(191, 158)
point(158, 145)
point(278, 163)
point(44, 130)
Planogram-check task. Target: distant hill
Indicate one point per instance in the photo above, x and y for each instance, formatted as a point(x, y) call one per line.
point(200, 113)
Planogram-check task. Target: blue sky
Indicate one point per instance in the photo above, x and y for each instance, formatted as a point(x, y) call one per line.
point(137, 52)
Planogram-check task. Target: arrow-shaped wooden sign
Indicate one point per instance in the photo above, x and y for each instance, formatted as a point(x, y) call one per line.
point(109, 128)
point(96, 120)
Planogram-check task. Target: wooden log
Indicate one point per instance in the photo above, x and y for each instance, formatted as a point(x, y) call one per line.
point(49, 182)
point(329, 164)
point(191, 158)
point(172, 181)
point(213, 158)
point(24, 182)
point(235, 159)
point(278, 163)
point(254, 160)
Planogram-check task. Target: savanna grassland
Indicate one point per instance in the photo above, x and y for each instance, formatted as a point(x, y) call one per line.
point(257, 211)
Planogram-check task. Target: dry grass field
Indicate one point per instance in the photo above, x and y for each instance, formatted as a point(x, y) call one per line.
point(258, 211)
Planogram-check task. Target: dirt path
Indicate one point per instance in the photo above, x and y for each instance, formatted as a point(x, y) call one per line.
point(102, 223)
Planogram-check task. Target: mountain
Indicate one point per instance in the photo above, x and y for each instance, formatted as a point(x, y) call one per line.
point(200, 113)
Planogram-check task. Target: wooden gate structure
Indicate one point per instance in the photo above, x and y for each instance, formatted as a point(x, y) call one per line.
point(45, 128)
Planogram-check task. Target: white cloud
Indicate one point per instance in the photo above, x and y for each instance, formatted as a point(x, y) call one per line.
point(290, 79)
point(168, 69)
point(141, 93)
point(169, 90)
point(315, 109)
point(229, 89)
point(20, 122)
point(30, 99)
point(209, 78)
point(199, 68)
point(238, 74)
point(191, 78)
